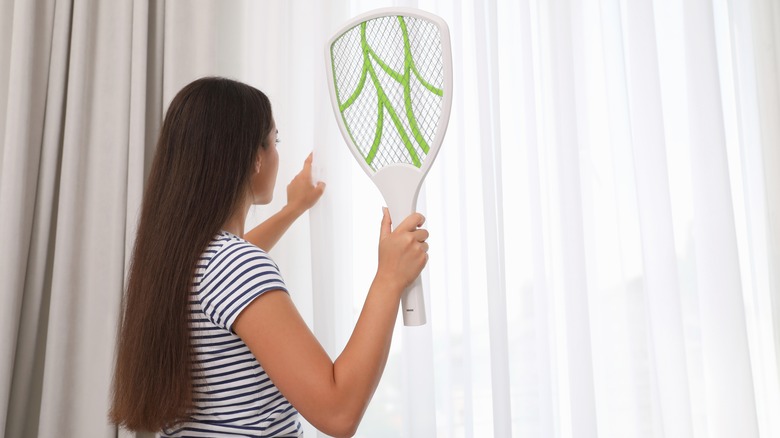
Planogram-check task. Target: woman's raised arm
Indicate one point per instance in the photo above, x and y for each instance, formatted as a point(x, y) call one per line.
point(333, 396)
point(302, 194)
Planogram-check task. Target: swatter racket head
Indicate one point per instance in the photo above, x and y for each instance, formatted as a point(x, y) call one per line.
point(390, 82)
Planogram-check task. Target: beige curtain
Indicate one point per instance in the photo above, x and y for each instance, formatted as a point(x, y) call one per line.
point(80, 103)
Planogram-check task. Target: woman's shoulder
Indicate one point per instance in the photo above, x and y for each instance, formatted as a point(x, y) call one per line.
point(225, 241)
point(236, 273)
point(230, 250)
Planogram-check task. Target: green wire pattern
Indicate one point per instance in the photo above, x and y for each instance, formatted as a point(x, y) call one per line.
point(369, 116)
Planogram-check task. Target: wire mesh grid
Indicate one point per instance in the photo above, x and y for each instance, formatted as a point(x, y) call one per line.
point(374, 64)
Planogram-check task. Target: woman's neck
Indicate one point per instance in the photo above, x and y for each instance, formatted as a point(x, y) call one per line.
point(235, 224)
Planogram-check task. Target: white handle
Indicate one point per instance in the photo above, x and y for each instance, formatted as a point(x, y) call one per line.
point(400, 185)
point(413, 304)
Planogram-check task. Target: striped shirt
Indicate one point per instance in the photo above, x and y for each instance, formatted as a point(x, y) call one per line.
point(233, 396)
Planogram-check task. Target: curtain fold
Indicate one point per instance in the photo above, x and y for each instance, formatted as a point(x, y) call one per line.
point(752, 86)
point(725, 358)
point(524, 98)
point(30, 118)
point(636, 97)
point(80, 109)
point(565, 132)
point(485, 16)
point(765, 34)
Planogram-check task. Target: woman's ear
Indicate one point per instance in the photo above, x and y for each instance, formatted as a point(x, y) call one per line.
point(258, 162)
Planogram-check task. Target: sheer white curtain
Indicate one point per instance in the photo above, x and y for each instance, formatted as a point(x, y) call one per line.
point(604, 218)
point(604, 212)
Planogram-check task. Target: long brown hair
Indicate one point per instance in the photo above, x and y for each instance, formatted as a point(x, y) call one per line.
point(205, 156)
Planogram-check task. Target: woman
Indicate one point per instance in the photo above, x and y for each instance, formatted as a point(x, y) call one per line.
point(210, 342)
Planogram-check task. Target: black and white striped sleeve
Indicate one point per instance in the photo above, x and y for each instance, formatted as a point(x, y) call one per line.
point(236, 276)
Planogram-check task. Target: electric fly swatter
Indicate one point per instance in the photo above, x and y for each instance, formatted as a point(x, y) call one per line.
point(390, 80)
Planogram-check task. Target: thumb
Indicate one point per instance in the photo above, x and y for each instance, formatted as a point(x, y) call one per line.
point(386, 222)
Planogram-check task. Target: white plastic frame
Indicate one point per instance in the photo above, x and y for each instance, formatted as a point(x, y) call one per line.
point(400, 183)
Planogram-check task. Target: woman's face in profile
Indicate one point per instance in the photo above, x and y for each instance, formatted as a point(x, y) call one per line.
point(266, 168)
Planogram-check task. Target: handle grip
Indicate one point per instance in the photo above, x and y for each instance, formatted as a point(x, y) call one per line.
point(400, 185)
point(413, 304)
